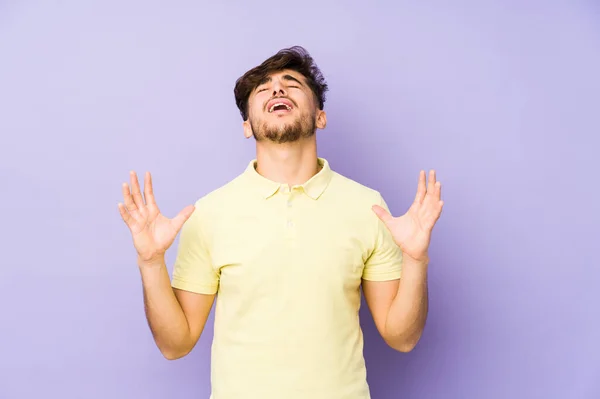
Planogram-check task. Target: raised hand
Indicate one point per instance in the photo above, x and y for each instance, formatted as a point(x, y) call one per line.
point(412, 231)
point(151, 231)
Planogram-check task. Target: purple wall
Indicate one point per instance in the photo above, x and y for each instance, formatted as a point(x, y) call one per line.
point(501, 98)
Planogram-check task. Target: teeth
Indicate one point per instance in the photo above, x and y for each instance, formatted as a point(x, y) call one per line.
point(276, 104)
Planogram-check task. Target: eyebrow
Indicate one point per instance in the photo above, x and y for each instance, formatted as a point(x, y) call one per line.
point(284, 77)
point(290, 77)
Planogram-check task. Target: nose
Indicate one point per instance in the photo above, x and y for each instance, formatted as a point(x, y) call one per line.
point(278, 88)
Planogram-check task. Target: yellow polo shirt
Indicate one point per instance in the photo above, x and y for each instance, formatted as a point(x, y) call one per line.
point(286, 264)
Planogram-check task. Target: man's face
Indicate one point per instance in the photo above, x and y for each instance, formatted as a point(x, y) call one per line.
point(283, 109)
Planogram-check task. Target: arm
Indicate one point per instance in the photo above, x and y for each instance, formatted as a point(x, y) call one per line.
point(399, 307)
point(175, 317)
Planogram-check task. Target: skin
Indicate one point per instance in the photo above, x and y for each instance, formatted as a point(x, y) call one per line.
point(400, 307)
point(286, 152)
point(290, 162)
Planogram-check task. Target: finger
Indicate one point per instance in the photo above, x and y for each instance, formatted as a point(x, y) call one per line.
point(438, 212)
point(136, 192)
point(431, 185)
point(182, 217)
point(420, 188)
point(433, 198)
point(382, 214)
point(128, 199)
point(148, 190)
point(124, 214)
point(433, 211)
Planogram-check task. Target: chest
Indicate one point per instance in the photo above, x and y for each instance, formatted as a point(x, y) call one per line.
point(282, 248)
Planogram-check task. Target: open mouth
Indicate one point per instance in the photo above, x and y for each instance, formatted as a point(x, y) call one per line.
point(280, 106)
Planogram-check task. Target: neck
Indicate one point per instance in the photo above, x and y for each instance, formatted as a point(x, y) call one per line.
point(290, 163)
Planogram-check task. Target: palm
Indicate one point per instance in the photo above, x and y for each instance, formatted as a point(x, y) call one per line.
point(412, 231)
point(154, 235)
point(152, 232)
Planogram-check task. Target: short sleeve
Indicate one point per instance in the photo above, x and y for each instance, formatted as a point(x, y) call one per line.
point(193, 270)
point(385, 262)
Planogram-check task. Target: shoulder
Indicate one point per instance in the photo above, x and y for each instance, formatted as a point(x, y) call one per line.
point(210, 205)
point(352, 192)
point(353, 200)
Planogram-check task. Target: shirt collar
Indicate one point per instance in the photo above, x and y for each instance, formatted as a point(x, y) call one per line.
point(313, 187)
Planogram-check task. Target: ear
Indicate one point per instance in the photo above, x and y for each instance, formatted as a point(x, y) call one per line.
point(321, 119)
point(247, 129)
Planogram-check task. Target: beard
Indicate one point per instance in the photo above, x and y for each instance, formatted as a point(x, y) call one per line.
point(301, 128)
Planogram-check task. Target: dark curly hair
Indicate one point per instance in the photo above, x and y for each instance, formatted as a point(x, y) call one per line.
point(294, 58)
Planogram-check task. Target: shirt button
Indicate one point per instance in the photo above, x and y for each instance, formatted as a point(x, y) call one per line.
point(289, 204)
point(290, 224)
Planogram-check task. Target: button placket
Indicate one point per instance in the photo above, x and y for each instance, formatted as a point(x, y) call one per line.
point(290, 226)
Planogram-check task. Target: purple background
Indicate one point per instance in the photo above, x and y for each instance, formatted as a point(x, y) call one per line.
point(502, 98)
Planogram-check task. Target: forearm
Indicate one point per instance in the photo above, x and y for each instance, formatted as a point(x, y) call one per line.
point(165, 316)
point(408, 311)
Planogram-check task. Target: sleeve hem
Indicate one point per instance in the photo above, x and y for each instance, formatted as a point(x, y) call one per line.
point(207, 289)
point(391, 275)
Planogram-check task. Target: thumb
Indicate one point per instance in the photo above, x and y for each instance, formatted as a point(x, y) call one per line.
point(382, 214)
point(183, 216)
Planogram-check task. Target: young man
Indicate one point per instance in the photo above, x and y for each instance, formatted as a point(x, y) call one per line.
point(285, 248)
